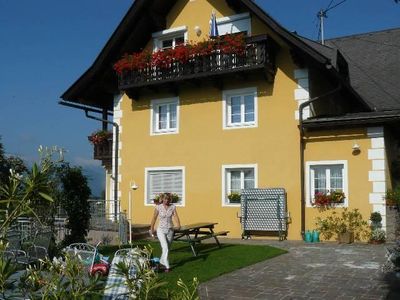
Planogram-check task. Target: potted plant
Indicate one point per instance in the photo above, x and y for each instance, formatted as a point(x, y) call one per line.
point(234, 197)
point(174, 197)
point(347, 226)
point(392, 197)
point(376, 220)
point(99, 137)
point(378, 236)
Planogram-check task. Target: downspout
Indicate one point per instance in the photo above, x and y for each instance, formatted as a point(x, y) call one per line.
point(302, 147)
point(116, 142)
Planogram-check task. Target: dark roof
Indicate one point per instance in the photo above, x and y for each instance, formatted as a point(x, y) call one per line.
point(364, 118)
point(328, 52)
point(374, 66)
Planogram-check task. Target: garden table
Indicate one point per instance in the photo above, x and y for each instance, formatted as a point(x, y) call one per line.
point(197, 232)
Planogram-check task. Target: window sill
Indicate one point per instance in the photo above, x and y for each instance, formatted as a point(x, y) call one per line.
point(241, 126)
point(164, 132)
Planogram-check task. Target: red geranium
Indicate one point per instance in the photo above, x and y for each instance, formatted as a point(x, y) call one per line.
point(227, 44)
point(99, 137)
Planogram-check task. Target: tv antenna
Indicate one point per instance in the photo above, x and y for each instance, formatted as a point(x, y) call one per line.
point(322, 14)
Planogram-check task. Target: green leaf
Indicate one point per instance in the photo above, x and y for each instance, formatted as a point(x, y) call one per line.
point(45, 196)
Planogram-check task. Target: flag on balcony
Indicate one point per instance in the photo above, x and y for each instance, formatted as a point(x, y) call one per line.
point(213, 25)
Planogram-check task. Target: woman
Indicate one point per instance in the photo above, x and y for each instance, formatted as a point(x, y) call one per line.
point(165, 233)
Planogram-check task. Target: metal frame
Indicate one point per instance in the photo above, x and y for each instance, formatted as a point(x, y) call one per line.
point(264, 210)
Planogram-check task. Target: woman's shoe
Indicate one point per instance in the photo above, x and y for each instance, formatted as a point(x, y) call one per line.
point(167, 270)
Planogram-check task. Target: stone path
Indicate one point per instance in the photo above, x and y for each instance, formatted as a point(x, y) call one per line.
point(308, 271)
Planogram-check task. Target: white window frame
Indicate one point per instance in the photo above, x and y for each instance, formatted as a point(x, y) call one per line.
point(224, 184)
point(172, 168)
point(160, 36)
point(232, 19)
point(154, 104)
point(226, 108)
point(310, 181)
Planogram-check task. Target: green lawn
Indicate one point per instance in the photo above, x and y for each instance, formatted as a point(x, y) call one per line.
point(211, 261)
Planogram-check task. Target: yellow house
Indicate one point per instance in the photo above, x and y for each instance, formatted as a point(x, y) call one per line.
point(270, 110)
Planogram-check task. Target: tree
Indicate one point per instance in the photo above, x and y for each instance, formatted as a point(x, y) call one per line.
point(10, 162)
point(74, 200)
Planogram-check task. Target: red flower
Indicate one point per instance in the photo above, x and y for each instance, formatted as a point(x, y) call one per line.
point(327, 199)
point(99, 137)
point(227, 44)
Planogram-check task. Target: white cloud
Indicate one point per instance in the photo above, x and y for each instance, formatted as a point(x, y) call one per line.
point(85, 162)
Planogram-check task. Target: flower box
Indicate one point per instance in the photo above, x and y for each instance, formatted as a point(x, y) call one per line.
point(328, 199)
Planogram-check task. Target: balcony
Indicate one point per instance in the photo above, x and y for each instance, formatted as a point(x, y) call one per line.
point(257, 57)
point(103, 151)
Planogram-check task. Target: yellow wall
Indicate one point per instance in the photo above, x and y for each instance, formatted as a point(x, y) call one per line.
point(337, 145)
point(203, 147)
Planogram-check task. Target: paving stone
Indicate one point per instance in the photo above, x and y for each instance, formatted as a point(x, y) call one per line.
point(307, 271)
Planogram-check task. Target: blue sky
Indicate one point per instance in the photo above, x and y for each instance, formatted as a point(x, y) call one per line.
point(45, 45)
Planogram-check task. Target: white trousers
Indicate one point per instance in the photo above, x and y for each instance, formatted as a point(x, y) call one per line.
point(165, 241)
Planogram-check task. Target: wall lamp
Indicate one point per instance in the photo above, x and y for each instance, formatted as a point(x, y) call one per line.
point(356, 149)
point(197, 29)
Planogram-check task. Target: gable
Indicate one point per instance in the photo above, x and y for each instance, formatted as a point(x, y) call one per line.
point(98, 85)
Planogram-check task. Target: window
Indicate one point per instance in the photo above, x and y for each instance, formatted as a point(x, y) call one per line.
point(172, 42)
point(234, 24)
point(236, 178)
point(240, 108)
point(170, 38)
point(324, 177)
point(163, 180)
point(164, 116)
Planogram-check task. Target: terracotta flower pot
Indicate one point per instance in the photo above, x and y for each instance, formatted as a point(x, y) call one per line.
point(346, 237)
point(375, 242)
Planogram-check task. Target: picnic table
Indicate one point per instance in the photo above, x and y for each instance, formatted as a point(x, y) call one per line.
point(197, 232)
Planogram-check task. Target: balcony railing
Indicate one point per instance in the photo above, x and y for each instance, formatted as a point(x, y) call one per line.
point(258, 55)
point(103, 152)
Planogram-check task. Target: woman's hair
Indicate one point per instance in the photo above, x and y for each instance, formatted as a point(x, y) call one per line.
point(167, 196)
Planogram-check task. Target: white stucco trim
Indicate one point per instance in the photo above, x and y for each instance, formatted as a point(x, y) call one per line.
point(117, 117)
point(377, 174)
point(301, 92)
point(327, 162)
point(171, 168)
point(170, 31)
point(223, 185)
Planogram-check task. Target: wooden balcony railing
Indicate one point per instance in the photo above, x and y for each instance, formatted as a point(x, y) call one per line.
point(103, 152)
point(259, 55)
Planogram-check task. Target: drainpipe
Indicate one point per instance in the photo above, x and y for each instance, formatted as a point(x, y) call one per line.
point(115, 159)
point(302, 147)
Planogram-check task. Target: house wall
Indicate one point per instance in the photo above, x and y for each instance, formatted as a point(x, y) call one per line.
point(366, 171)
point(202, 146)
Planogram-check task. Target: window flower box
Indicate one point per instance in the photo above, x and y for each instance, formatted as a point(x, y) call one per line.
point(234, 197)
point(328, 199)
point(100, 137)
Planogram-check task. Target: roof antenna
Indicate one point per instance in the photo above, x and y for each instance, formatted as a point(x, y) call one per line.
point(322, 14)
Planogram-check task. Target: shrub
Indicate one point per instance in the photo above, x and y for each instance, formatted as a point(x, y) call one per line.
point(347, 221)
point(378, 235)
